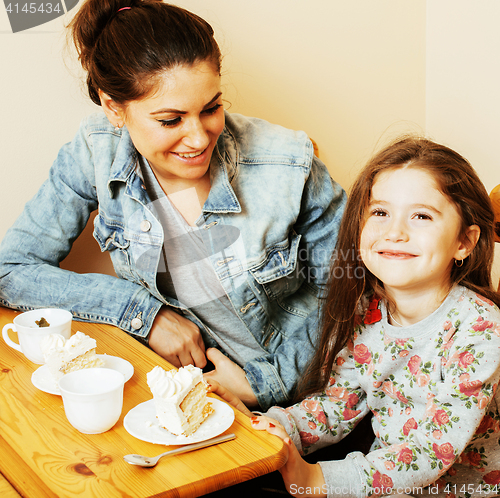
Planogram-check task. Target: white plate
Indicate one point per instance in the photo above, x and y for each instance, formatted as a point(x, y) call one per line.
point(42, 378)
point(141, 422)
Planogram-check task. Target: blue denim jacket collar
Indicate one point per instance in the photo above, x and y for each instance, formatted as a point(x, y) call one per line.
point(222, 198)
point(125, 160)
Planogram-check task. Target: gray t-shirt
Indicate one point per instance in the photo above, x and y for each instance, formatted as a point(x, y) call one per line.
point(186, 274)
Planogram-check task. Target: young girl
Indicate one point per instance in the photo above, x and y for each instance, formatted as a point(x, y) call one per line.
point(411, 334)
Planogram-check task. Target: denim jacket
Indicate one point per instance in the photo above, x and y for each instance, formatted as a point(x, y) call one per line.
point(266, 182)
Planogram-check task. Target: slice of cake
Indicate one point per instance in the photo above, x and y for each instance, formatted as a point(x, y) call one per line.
point(63, 356)
point(180, 398)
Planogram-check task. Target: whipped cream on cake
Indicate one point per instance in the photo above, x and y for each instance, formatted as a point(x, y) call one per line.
point(180, 398)
point(63, 356)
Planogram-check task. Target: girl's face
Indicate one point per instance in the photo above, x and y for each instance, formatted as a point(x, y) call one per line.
point(176, 128)
point(411, 236)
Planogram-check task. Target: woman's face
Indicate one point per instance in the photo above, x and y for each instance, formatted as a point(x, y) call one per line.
point(176, 127)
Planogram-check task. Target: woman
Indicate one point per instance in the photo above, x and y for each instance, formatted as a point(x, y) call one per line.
point(220, 227)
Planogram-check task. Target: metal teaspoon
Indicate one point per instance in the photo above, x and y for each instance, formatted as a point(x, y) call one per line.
point(144, 461)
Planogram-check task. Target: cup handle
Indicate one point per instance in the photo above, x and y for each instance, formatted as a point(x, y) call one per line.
point(7, 339)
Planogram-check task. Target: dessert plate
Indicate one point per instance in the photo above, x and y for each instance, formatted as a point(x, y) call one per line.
point(42, 378)
point(141, 422)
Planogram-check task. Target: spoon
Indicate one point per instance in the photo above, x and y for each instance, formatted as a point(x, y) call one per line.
point(144, 461)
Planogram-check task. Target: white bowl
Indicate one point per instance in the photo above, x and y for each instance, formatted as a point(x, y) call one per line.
point(92, 398)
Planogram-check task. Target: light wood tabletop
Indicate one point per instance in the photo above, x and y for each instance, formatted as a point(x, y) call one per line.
point(6, 490)
point(42, 455)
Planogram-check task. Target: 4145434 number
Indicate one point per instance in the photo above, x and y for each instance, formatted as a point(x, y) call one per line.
point(33, 8)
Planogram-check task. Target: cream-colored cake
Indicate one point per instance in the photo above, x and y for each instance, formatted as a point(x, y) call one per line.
point(63, 356)
point(180, 398)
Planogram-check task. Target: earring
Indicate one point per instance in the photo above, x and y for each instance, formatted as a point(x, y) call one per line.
point(117, 127)
point(461, 261)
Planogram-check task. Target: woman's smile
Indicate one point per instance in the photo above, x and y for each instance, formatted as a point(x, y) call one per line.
point(192, 158)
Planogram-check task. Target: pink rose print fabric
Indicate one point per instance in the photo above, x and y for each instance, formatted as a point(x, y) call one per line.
point(432, 390)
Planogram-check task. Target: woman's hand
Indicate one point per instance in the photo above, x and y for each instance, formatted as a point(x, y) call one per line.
point(177, 339)
point(228, 396)
point(300, 477)
point(229, 374)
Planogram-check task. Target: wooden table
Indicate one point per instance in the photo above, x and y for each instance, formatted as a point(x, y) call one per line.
point(42, 455)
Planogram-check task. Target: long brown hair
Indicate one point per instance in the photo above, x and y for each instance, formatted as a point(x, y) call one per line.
point(349, 277)
point(125, 45)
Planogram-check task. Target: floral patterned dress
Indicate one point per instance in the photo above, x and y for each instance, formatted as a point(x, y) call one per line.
point(431, 388)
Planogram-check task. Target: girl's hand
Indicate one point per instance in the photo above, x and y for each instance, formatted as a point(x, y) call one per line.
point(227, 396)
point(300, 477)
point(227, 373)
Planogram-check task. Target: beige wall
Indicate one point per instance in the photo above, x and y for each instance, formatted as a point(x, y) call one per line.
point(349, 73)
point(463, 83)
point(343, 71)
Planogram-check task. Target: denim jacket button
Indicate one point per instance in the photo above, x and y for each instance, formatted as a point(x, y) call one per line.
point(145, 226)
point(136, 323)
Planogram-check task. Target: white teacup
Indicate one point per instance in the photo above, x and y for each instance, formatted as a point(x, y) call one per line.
point(29, 334)
point(92, 398)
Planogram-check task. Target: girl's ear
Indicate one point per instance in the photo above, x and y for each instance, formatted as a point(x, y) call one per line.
point(114, 112)
point(469, 241)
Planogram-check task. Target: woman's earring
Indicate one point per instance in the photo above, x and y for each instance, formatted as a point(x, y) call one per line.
point(459, 263)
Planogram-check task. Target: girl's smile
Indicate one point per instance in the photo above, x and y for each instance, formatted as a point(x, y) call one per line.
point(396, 255)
